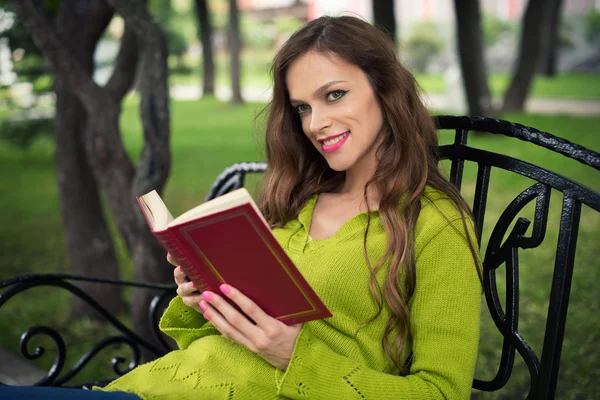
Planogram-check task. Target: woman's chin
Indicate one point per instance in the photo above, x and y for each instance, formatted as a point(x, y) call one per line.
point(337, 166)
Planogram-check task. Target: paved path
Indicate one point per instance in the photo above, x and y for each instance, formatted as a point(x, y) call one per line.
point(16, 370)
point(576, 107)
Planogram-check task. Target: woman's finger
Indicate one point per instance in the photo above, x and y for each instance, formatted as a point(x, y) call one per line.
point(212, 314)
point(172, 260)
point(238, 320)
point(186, 289)
point(250, 308)
point(193, 301)
point(180, 276)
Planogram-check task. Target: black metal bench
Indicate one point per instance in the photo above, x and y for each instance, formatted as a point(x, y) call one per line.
point(502, 249)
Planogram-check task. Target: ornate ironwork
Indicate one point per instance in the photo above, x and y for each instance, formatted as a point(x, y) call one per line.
point(462, 125)
point(55, 375)
point(543, 371)
point(233, 178)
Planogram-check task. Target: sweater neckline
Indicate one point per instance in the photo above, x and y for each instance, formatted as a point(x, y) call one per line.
point(301, 242)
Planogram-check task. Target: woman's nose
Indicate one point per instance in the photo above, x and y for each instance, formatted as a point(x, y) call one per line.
point(319, 120)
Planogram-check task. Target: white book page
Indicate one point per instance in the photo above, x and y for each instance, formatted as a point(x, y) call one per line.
point(157, 213)
point(221, 203)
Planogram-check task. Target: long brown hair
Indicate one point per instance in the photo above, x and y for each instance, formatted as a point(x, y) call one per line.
point(407, 156)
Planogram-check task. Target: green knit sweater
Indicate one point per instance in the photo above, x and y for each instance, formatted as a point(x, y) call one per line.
point(333, 358)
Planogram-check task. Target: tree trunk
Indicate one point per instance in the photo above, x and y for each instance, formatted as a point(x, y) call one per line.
point(384, 17)
point(87, 237)
point(532, 41)
point(472, 60)
point(234, 51)
point(548, 58)
point(112, 169)
point(153, 169)
point(205, 33)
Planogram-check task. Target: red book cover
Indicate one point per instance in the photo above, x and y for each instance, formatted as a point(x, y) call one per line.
point(236, 247)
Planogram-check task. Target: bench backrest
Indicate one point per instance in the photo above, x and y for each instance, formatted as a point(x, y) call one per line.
point(508, 236)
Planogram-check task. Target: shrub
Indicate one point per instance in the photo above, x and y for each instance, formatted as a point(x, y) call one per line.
point(423, 43)
point(22, 128)
point(592, 25)
point(257, 34)
point(495, 28)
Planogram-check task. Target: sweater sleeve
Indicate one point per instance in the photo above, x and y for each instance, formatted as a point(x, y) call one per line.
point(444, 315)
point(184, 324)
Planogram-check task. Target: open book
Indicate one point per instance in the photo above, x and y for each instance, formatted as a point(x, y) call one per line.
point(227, 240)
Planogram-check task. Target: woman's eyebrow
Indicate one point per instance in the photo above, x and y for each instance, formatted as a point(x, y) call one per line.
point(319, 91)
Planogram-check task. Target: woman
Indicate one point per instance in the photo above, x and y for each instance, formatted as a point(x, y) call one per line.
point(354, 195)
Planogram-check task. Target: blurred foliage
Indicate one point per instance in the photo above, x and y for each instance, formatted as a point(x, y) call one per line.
point(257, 34)
point(565, 34)
point(495, 28)
point(592, 25)
point(423, 44)
point(29, 64)
point(287, 25)
point(260, 34)
point(21, 125)
point(170, 21)
point(22, 128)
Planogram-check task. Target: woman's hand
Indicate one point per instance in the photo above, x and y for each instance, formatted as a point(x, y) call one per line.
point(269, 338)
point(185, 288)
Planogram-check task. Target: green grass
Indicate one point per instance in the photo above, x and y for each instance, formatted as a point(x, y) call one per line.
point(569, 86)
point(207, 136)
point(255, 73)
point(572, 85)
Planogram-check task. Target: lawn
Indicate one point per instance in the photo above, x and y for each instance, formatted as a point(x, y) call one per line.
point(207, 136)
point(255, 73)
point(568, 86)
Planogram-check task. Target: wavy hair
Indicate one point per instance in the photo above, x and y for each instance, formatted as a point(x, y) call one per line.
point(407, 157)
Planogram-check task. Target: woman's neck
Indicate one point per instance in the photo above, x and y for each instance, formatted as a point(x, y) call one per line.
point(353, 188)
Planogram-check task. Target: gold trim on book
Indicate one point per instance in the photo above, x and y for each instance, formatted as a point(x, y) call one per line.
point(244, 213)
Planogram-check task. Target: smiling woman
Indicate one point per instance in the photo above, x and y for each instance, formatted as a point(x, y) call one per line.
point(354, 196)
point(338, 111)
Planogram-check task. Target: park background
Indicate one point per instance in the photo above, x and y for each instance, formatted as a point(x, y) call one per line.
point(214, 121)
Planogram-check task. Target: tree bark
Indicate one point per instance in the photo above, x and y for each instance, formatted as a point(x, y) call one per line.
point(234, 51)
point(112, 169)
point(471, 54)
point(384, 17)
point(154, 165)
point(206, 33)
point(548, 58)
point(532, 41)
point(87, 237)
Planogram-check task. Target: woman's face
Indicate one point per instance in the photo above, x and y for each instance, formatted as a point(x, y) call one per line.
point(337, 108)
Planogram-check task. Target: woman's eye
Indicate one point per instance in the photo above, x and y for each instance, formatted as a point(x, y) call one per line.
point(336, 95)
point(302, 108)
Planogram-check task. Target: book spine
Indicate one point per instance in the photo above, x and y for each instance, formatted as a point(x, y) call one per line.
point(171, 244)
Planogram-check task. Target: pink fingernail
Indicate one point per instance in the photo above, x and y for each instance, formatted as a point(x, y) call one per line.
point(225, 289)
point(207, 317)
point(193, 285)
point(203, 305)
point(180, 269)
point(207, 296)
